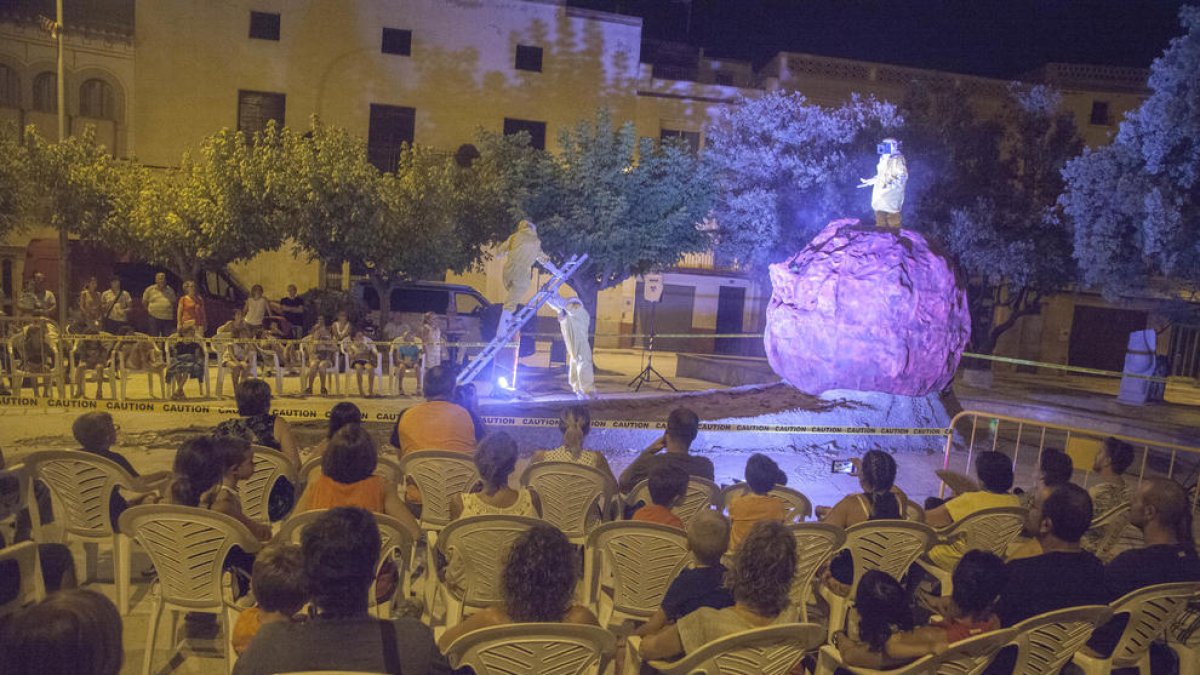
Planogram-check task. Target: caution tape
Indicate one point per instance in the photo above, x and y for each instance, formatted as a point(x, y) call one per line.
point(303, 414)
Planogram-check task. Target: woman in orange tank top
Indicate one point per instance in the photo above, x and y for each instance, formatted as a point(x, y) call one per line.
point(348, 479)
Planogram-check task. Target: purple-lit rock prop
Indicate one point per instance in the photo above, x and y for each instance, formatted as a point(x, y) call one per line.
point(866, 309)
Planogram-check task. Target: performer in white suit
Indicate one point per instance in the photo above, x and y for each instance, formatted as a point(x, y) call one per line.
point(888, 183)
point(573, 319)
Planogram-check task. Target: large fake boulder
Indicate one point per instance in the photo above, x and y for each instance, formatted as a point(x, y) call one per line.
point(866, 309)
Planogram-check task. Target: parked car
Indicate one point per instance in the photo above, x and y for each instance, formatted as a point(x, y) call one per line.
point(465, 314)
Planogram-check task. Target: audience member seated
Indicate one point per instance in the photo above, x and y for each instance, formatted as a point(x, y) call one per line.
point(187, 360)
point(762, 475)
point(348, 479)
point(887, 636)
point(683, 426)
point(235, 456)
point(76, 632)
point(575, 423)
point(339, 416)
point(667, 486)
point(701, 584)
point(496, 458)
point(258, 425)
point(1159, 509)
point(279, 592)
point(970, 610)
point(1054, 469)
point(538, 584)
point(434, 424)
point(96, 433)
point(467, 397)
point(880, 499)
point(94, 354)
point(57, 563)
point(760, 580)
point(340, 551)
point(1110, 490)
point(1064, 575)
point(996, 478)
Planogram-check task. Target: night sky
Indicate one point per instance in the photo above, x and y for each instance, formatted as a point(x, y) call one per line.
point(985, 37)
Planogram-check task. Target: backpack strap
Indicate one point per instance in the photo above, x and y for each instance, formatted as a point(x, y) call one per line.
point(391, 655)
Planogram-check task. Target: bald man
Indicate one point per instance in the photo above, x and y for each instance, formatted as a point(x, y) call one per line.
point(1159, 508)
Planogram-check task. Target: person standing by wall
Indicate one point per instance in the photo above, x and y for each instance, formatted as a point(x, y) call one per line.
point(191, 308)
point(160, 302)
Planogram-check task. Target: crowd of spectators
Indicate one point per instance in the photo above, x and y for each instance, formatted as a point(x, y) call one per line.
point(742, 568)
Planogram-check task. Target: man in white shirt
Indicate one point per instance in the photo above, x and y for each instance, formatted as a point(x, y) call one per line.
point(114, 308)
point(159, 301)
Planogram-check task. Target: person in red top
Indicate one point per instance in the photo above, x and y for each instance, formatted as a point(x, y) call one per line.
point(971, 610)
point(191, 308)
point(668, 485)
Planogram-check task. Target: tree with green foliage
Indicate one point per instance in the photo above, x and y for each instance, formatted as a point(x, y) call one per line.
point(14, 182)
point(1135, 203)
point(987, 193)
point(226, 203)
point(786, 168)
point(632, 206)
point(431, 215)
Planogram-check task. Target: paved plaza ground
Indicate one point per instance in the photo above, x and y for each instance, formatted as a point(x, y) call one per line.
point(149, 440)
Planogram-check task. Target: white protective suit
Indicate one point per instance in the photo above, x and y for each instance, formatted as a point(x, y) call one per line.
point(573, 319)
point(523, 249)
point(887, 188)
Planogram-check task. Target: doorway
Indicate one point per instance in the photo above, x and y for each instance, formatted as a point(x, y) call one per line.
point(1100, 336)
point(731, 308)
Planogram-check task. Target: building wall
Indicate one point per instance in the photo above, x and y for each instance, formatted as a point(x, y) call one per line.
point(460, 76)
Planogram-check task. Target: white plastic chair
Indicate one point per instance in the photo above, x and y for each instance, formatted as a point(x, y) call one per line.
point(268, 358)
point(393, 373)
point(990, 530)
point(1045, 643)
point(480, 544)
point(270, 467)
point(29, 570)
point(701, 494)
point(641, 560)
point(1151, 611)
point(533, 648)
point(968, 657)
point(8, 521)
point(799, 506)
point(188, 547)
point(218, 345)
point(395, 545)
point(890, 546)
point(1119, 535)
point(110, 363)
point(771, 650)
point(82, 484)
point(439, 475)
point(205, 383)
point(16, 375)
point(156, 367)
point(815, 545)
point(349, 374)
point(571, 495)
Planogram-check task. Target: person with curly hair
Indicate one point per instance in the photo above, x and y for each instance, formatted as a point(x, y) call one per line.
point(760, 580)
point(538, 584)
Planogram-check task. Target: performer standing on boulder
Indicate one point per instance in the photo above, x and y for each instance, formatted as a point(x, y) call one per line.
point(523, 249)
point(573, 319)
point(891, 176)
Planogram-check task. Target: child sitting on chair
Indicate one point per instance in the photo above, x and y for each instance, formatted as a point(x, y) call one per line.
point(762, 475)
point(364, 359)
point(668, 485)
point(702, 583)
point(278, 585)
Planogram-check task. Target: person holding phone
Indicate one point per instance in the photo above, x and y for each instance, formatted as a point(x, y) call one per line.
point(683, 425)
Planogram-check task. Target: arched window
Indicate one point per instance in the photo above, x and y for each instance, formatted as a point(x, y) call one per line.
point(96, 100)
point(10, 87)
point(45, 92)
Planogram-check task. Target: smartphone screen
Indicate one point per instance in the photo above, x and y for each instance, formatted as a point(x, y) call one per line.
point(845, 466)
